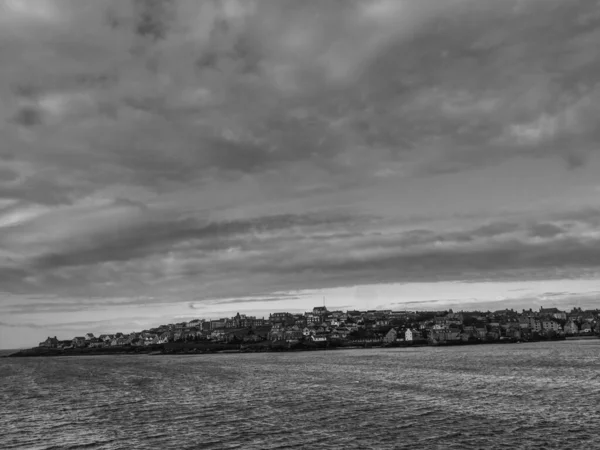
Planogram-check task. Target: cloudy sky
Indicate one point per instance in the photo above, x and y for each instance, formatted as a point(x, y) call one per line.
point(163, 160)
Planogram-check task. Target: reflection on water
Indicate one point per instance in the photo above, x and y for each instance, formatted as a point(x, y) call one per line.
point(539, 395)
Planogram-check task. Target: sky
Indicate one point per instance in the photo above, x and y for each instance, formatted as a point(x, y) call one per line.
point(167, 160)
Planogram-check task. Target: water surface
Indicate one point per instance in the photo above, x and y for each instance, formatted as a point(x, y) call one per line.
point(539, 395)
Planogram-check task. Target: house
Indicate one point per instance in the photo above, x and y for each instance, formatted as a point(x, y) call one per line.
point(236, 336)
point(282, 317)
point(444, 335)
point(79, 342)
point(382, 323)
point(560, 315)
point(548, 311)
point(335, 336)
point(165, 337)
point(339, 315)
point(553, 313)
point(118, 341)
point(300, 321)
point(292, 335)
point(391, 336)
point(465, 336)
point(493, 334)
point(571, 327)
point(278, 327)
point(89, 336)
point(455, 317)
point(276, 335)
point(470, 329)
point(150, 340)
point(343, 332)
point(217, 324)
point(106, 337)
point(218, 335)
point(353, 316)
point(551, 325)
point(514, 333)
point(244, 321)
point(310, 318)
point(480, 332)
point(96, 343)
point(320, 311)
point(51, 342)
point(132, 337)
point(412, 335)
point(535, 324)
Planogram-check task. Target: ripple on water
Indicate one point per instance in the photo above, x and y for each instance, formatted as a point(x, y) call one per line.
point(494, 396)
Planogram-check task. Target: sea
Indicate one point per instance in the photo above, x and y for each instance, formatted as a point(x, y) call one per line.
point(541, 395)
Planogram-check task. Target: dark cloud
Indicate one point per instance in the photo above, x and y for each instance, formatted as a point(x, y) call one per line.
point(205, 148)
point(28, 116)
point(152, 18)
point(463, 83)
point(485, 260)
point(151, 238)
point(7, 175)
point(546, 230)
point(20, 325)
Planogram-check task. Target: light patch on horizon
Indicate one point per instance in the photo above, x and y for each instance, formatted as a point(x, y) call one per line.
point(158, 154)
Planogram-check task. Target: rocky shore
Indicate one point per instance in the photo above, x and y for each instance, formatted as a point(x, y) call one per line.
point(210, 348)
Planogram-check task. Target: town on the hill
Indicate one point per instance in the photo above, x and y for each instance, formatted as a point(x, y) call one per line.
point(321, 327)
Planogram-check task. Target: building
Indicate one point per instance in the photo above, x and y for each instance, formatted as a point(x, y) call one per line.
point(51, 342)
point(79, 342)
point(553, 313)
point(412, 335)
point(524, 322)
point(321, 312)
point(391, 336)
point(444, 335)
point(551, 325)
point(244, 321)
point(282, 317)
point(481, 331)
point(217, 324)
point(571, 327)
point(311, 318)
point(535, 324)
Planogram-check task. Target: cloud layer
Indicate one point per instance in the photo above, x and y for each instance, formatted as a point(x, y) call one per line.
point(187, 150)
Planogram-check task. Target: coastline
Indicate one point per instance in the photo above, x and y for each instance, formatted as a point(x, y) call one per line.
point(262, 347)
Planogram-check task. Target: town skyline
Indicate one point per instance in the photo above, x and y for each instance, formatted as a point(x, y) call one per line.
point(336, 328)
point(161, 159)
point(516, 304)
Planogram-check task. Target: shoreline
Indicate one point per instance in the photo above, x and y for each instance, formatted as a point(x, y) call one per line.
point(265, 347)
